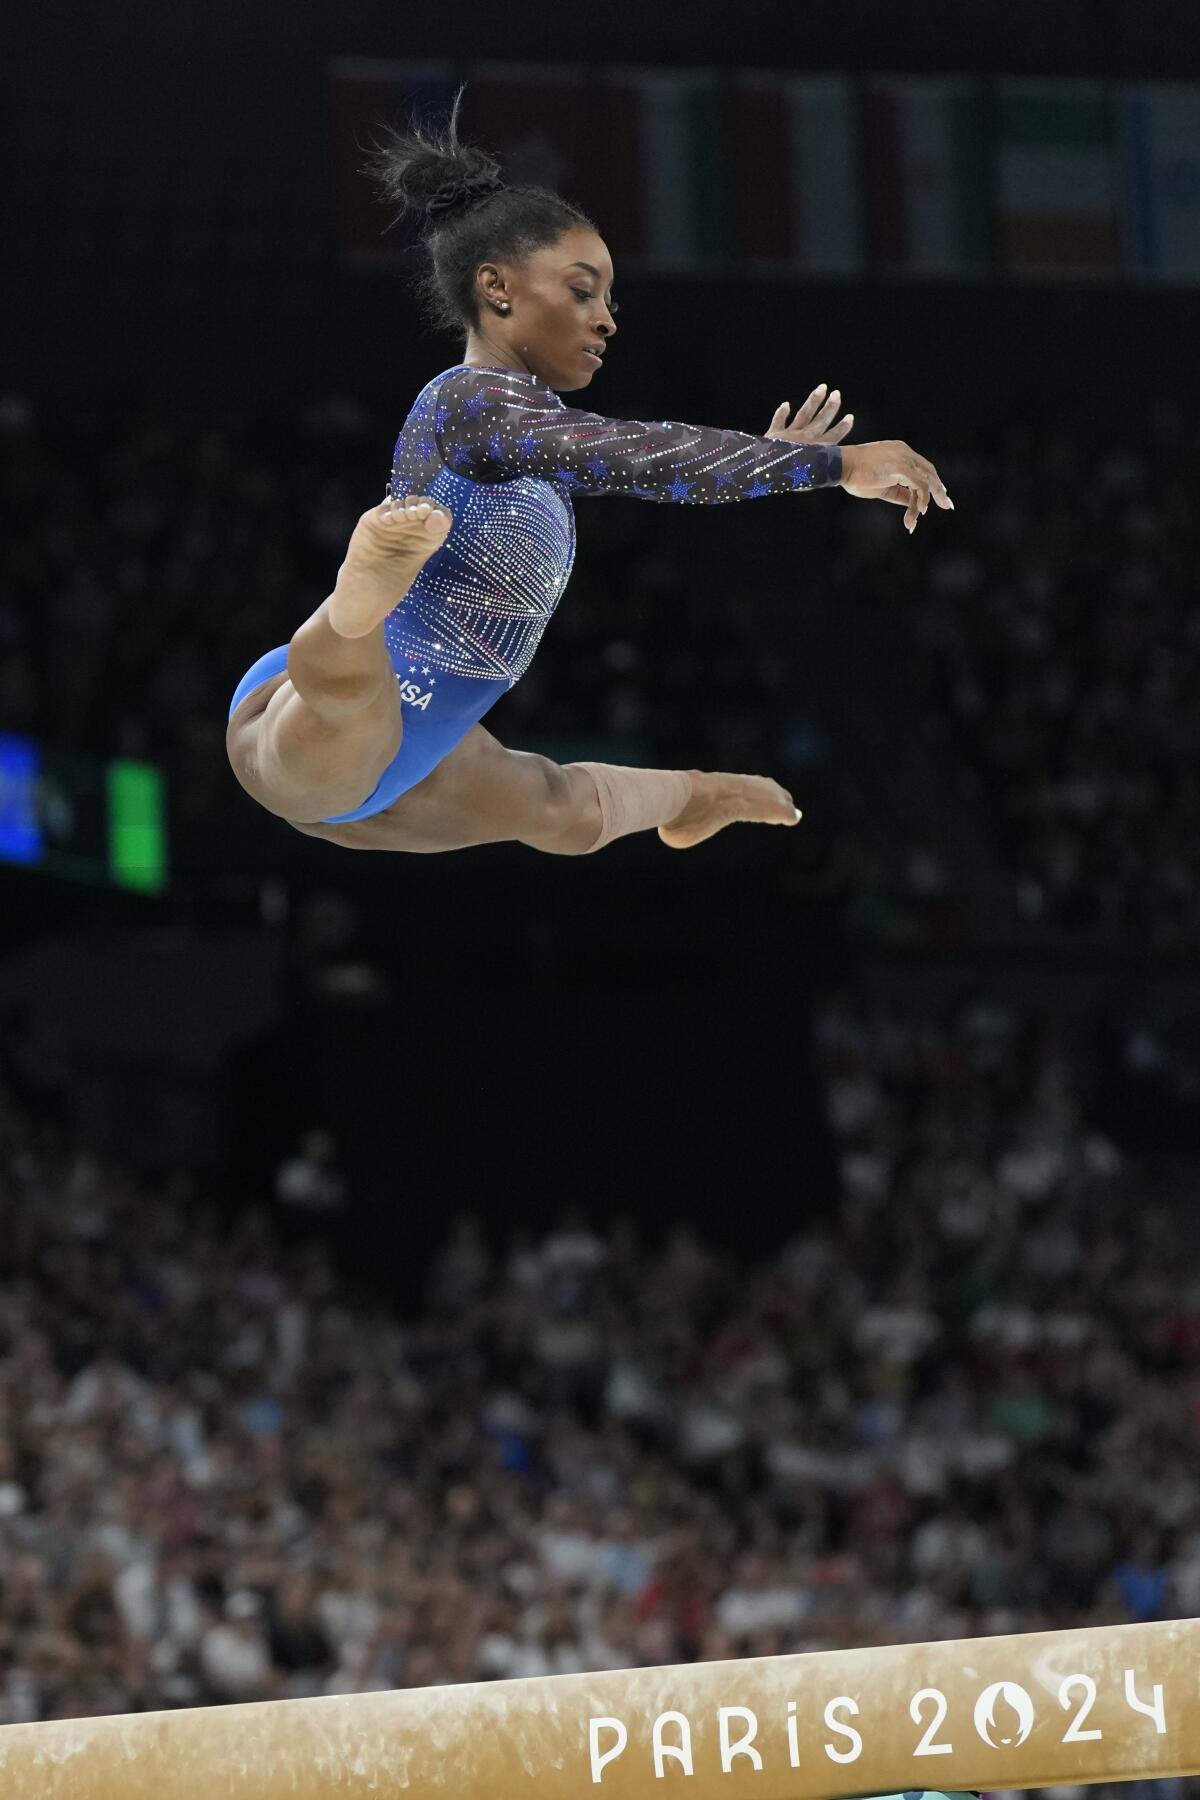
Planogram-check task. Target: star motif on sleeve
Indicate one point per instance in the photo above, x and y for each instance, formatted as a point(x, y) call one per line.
point(760, 487)
point(476, 403)
point(801, 474)
point(496, 446)
point(597, 465)
point(644, 493)
point(680, 489)
point(425, 446)
point(440, 417)
point(460, 456)
point(568, 477)
point(528, 443)
point(724, 479)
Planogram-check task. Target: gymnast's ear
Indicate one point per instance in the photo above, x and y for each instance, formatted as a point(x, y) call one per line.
point(489, 281)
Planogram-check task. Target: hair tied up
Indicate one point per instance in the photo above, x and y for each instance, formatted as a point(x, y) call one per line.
point(426, 170)
point(464, 191)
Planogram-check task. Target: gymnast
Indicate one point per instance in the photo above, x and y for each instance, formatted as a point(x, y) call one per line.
point(365, 730)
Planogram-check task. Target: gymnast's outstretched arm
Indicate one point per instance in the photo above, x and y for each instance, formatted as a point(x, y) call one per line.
point(494, 424)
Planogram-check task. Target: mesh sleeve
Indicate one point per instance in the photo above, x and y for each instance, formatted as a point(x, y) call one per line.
point(495, 424)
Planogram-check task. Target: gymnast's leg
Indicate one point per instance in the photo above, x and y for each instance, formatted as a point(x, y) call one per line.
point(482, 793)
point(314, 743)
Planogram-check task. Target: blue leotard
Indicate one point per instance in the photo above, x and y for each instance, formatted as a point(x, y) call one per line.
point(501, 451)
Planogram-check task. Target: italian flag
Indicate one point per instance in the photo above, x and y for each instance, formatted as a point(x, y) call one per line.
point(1056, 199)
point(926, 182)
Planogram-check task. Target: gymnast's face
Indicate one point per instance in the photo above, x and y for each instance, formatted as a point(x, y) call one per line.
point(549, 313)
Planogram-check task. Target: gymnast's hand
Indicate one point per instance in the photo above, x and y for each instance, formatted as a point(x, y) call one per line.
point(813, 423)
point(892, 471)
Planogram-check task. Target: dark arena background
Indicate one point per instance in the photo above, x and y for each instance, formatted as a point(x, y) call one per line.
point(420, 1270)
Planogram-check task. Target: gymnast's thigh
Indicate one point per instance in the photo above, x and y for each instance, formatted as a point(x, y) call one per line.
point(480, 793)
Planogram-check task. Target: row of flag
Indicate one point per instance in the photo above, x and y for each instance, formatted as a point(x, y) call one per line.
point(951, 178)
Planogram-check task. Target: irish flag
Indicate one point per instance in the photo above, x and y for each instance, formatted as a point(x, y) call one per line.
point(926, 181)
point(1056, 199)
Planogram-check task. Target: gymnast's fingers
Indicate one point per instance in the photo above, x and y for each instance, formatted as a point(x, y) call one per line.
point(918, 499)
point(828, 413)
point(805, 414)
point(936, 486)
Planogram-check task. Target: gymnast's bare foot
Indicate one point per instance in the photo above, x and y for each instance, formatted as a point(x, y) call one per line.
point(387, 550)
point(720, 800)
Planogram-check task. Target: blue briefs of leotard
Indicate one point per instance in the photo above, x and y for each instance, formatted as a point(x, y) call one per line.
point(439, 709)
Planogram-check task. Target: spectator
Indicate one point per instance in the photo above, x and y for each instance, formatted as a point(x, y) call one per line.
point(963, 1401)
point(308, 1181)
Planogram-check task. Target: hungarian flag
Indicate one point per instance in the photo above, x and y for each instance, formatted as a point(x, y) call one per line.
point(926, 177)
point(1056, 193)
point(1159, 136)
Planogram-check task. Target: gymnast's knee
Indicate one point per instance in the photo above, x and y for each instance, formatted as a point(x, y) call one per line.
point(569, 815)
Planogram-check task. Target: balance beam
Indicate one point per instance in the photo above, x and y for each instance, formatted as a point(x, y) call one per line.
point(1111, 1703)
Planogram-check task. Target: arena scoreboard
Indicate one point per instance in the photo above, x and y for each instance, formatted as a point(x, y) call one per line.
point(83, 817)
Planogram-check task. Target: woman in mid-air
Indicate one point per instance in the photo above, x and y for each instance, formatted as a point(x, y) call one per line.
point(365, 729)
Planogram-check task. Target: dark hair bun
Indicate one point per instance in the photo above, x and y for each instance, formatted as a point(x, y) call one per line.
point(463, 191)
point(427, 169)
point(427, 173)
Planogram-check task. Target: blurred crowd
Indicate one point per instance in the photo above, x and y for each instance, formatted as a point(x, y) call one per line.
point(962, 1397)
point(1060, 632)
point(1051, 626)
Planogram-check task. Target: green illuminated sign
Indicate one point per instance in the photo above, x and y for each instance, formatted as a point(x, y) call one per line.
point(137, 834)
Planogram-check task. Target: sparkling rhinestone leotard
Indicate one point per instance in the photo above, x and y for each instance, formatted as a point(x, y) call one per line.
point(501, 451)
